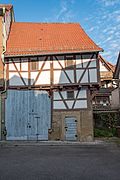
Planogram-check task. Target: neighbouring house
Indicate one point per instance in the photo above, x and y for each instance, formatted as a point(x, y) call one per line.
point(115, 103)
point(6, 18)
point(51, 70)
point(102, 98)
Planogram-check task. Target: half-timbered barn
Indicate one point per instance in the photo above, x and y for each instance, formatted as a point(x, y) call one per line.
point(51, 71)
point(6, 19)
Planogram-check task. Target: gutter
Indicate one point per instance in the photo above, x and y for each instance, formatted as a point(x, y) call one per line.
point(52, 53)
point(4, 73)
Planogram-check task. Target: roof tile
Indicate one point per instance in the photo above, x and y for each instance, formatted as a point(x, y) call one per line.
point(47, 38)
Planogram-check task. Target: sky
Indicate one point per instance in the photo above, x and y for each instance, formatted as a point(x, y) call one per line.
point(99, 18)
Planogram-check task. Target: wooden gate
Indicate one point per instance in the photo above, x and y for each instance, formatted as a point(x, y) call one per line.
point(70, 129)
point(28, 115)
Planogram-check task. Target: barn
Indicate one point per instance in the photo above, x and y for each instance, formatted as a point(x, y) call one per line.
point(50, 73)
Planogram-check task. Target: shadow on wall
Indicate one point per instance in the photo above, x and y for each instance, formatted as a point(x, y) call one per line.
point(82, 75)
point(68, 75)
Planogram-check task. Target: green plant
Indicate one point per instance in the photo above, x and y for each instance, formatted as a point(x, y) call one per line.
point(108, 120)
point(105, 132)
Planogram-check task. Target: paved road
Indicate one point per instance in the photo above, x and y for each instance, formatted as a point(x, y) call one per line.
point(79, 162)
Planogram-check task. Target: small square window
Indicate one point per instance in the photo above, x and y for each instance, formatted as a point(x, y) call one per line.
point(69, 63)
point(70, 94)
point(34, 65)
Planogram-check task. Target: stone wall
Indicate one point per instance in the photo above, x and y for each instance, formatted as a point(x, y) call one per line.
point(84, 124)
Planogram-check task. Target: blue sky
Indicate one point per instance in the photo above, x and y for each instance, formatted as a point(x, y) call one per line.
point(99, 18)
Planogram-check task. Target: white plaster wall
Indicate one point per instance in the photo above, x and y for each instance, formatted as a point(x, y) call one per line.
point(58, 105)
point(93, 75)
point(64, 94)
point(56, 96)
point(78, 61)
point(70, 74)
point(12, 67)
point(78, 64)
point(60, 77)
point(33, 76)
point(80, 104)
point(70, 104)
point(93, 63)
point(85, 77)
point(15, 80)
point(79, 74)
point(82, 93)
point(40, 64)
point(56, 65)
point(102, 67)
point(24, 66)
point(46, 66)
point(44, 78)
point(25, 77)
point(85, 62)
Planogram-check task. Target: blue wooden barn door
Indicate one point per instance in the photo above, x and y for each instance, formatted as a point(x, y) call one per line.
point(28, 115)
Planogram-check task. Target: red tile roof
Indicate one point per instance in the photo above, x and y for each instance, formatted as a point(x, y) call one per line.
point(7, 6)
point(48, 38)
point(107, 64)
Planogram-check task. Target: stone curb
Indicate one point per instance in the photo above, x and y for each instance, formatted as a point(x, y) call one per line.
point(49, 143)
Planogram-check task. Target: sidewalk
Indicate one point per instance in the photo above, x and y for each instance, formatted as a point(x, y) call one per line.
point(48, 143)
point(98, 141)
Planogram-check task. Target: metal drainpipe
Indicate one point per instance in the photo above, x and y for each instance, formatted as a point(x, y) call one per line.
point(4, 69)
point(2, 56)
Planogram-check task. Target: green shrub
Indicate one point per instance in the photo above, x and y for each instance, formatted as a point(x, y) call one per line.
point(105, 132)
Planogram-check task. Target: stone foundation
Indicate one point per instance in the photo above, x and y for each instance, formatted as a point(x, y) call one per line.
point(84, 125)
